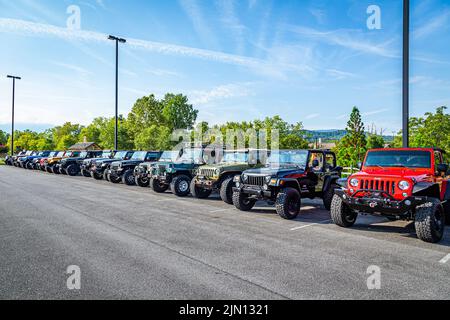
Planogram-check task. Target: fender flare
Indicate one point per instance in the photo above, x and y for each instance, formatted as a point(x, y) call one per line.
point(329, 181)
point(289, 182)
point(427, 189)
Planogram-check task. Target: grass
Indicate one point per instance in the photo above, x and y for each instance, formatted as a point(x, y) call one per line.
point(2, 162)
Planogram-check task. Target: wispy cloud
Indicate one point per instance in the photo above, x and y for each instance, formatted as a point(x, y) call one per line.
point(339, 75)
point(273, 68)
point(312, 116)
point(232, 22)
point(164, 73)
point(347, 38)
point(194, 12)
point(220, 92)
point(434, 24)
point(374, 112)
point(319, 15)
point(72, 67)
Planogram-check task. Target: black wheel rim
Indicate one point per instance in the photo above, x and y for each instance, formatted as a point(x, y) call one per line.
point(292, 205)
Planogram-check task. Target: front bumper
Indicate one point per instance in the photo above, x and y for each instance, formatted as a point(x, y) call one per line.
point(163, 179)
point(380, 203)
point(206, 183)
point(257, 192)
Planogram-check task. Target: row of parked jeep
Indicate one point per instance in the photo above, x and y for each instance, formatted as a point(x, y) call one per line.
point(400, 184)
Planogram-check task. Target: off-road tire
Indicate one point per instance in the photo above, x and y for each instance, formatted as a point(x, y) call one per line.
point(86, 174)
point(55, 170)
point(288, 203)
point(72, 170)
point(128, 178)
point(430, 221)
point(226, 190)
point(181, 185)
point(114, 179)
point(141, 183)
point(157, 187)
point(242, 202)
point(328, 196)
point(29, 166)
point(97, 176)
point(198, 192)
point(106, 175)
point(341, 214)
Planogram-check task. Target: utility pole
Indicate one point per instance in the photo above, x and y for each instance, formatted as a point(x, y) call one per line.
point(406, 14)
point(116, 130)
point(14, 78)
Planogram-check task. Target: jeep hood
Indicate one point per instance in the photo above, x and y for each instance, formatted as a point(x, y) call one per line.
point(418, 175)
point(274, 172)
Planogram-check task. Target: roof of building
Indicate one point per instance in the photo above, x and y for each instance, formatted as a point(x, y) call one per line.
point(85, 146)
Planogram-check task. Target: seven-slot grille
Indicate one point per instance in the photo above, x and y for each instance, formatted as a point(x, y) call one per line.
point(115, 166)
point(381, 185)
point(256, 180)
point(207, 172)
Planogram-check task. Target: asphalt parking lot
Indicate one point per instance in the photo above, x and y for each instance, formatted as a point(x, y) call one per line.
point(130, 243)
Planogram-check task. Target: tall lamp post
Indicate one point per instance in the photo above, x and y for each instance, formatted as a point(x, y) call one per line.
point(116, 131)
point(405, 117)
point(14, 78)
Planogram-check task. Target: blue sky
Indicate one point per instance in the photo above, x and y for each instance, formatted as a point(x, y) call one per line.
point(308, 61)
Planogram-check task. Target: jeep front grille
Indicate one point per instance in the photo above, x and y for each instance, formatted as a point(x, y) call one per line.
point(115, 167)
point(256, 181)
point(380, 185)
point(207, 172)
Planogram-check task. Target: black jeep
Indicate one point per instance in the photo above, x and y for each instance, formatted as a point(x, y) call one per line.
point(100, 168)
point(72, 166)
point(289, 176)
point(85, 166)
point(123, 171)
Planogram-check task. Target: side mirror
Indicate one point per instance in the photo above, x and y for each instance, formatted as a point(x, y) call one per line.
point(315, 163)
point(359, 165)
point(442, 168)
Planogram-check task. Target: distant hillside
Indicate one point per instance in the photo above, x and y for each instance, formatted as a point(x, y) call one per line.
point(331, 135)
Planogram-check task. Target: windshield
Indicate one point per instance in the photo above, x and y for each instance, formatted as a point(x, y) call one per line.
point(106, 154)
point(288, 158)
point(235, 157)
point(191, 156)
point(398, 158)
point(168, 156)
point(120, 155)
point(139, 155)
point(83, 155)
point(61, 154)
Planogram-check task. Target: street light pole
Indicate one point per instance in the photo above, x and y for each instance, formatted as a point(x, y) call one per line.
point(14, 78)
point(405, 117)
point(116, 129)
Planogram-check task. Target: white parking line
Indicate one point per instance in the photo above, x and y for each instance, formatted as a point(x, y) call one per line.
point(310, 225)
point(445, 259)
point(221, 210)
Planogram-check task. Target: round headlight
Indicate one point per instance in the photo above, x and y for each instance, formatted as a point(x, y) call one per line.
point(268, 178)
point(354, 182)
point(218, 172)
point(403, 185)
point(245, 177)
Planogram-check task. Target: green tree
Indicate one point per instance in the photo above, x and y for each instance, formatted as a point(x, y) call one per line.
point(3, 137)
point(147, 111)
point(352, 148)
point(108, 131)
point(431, 130)
point(375, 141)
point(66, 135)
point(154, 138)
point(177, 112)
point(93, 131)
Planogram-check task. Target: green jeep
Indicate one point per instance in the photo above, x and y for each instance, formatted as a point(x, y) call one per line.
point(219, 177)
point(175, 170)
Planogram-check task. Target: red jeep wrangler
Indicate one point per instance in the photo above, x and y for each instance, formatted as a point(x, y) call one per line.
point(399, 184)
